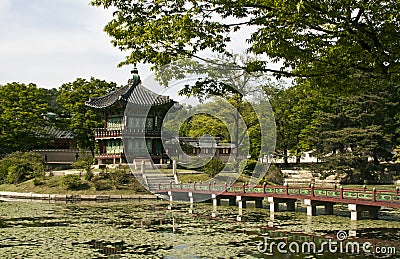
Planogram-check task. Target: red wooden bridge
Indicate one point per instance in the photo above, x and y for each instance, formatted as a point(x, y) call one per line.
point(358, 199)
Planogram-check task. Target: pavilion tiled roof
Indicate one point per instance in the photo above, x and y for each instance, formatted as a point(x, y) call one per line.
point(133, 93)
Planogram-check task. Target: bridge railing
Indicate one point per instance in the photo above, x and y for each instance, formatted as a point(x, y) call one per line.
point(335, 193)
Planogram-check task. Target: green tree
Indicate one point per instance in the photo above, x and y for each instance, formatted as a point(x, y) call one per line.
point(118, 177)
point(71, 181)
point(356, 134)
point(82, 120)
point(309, 38)
point(21, 166)
point(85, 163)
point(22, 121)
point(213, 167)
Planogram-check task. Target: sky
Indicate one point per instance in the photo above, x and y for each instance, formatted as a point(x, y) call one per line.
point(51, 42)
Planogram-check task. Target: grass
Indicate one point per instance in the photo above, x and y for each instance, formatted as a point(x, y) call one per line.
point(186, 178)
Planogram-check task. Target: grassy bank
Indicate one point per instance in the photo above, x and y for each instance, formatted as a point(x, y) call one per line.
point(54, 185)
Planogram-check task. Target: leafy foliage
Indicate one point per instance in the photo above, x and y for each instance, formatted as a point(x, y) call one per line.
point(18, 167)
point(71, 99)
point(213, 167)
point(85, 163)
point(22, 124)
point(118, 177)
point(274, 175)
point(309, 38)
point(350, 129)
point(71, 181)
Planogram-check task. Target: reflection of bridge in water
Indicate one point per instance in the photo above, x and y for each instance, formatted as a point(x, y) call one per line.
point(358, 200)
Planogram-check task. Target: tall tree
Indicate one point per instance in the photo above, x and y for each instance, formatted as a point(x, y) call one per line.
point(22, 120)
point(82, 120)
point(355, 133)
point(310, 38)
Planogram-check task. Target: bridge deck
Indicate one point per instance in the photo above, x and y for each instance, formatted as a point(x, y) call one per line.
point(383, 198)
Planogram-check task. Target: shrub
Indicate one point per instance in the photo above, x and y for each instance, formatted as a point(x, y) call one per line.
point(38, 181)
point(101, 185)
point(54, 181)
point(71, 181)
point(247, 166)
point(274, 175)
point(21, 166)
point(118, 177)
point(213, 167)
point(85, 163)
point(89, 176)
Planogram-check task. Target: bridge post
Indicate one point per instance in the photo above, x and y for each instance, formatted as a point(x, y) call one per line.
point(311, 207)
point(215, 201)
point(273, 206)
point(171, 198)
point(241, 202)
point(232, 201)
point(258, 203)
point(355, 213)
point(356, 209)
point(190, 197)
point(329, 208)
point(191, 202)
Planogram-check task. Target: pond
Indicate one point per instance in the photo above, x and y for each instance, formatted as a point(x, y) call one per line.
point(149, 229)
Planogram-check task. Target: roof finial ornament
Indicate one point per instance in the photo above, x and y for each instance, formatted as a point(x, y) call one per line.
point(135, 73)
